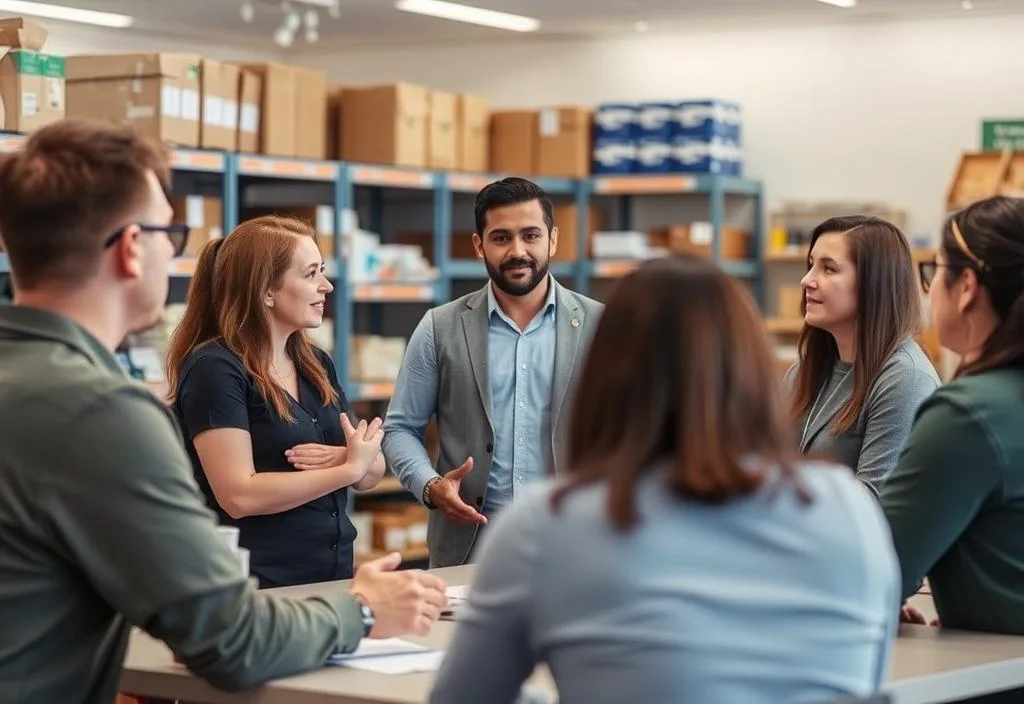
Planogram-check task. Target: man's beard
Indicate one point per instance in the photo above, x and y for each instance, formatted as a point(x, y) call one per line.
point(513, 287)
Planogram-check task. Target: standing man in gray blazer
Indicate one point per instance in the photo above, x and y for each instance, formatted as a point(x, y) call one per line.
point(496, 367)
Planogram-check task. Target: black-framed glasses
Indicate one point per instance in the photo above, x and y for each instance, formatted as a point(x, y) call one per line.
point(926, 270)
point(176, 233)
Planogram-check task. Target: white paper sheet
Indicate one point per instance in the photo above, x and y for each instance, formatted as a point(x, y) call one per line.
point(390, 656)
point(460, 592)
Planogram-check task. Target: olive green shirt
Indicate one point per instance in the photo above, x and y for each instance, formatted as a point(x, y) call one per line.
point(955, 502)
point(102, 527)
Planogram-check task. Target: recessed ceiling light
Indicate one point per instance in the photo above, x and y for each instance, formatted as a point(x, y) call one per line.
point(641, 26)
point(967, 5)
point(67, 14)
point(458, 12)
point(845, 4)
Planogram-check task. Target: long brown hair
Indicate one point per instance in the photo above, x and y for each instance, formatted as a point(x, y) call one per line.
point(225, 305)
point(888, 312)
point(991, 242)
point(679, 371)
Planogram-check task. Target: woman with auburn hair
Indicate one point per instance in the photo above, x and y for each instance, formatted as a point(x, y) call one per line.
point(955, 501)
point(689, 535)
point(263, 414)
point(861, 374)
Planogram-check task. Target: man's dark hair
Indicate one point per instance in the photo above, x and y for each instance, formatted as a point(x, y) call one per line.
point(510, 191)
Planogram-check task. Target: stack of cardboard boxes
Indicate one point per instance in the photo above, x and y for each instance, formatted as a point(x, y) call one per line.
point(31, 82)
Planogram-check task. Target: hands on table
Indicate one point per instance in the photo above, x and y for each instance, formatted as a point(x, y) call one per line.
point(405, 602)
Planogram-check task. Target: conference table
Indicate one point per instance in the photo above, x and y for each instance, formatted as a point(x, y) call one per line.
point(929, 666)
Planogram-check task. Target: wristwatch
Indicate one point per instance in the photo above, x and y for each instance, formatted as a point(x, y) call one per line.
point(426, 493)
point(366, 614)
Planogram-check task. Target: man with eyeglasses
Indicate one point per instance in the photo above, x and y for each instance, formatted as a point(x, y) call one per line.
point(102, 526)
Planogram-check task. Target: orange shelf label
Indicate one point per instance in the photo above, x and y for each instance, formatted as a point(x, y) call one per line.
point(393, 292)
point(197, 160)
point(183, 266)
point(376, 390)
point(288, 167)
point(369, 175)
point(613, 269)
point(469, 182)
point(645, 184)
point(11, 144)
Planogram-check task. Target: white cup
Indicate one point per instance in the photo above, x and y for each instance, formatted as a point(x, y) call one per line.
point(243, 558)
point(230, 535)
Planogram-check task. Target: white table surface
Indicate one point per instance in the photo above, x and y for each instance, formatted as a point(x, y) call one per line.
point(929, 666)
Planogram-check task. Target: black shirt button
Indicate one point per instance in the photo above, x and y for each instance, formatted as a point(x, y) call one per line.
point(490, 447)
point(334, 514)
point(334, 548)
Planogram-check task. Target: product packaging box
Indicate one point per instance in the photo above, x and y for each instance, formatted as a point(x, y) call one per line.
point(311, 114)
point(441, 131)
point(250, 107)
point(219, 111)
point(32, 89)
point(565, 143)
point(277, 126)
point(472, 133)
point(205, 217)
point(385, 124)
point(515, 142)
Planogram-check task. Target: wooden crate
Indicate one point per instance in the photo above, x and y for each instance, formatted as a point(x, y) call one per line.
point(979, 175)
point(1013, 180)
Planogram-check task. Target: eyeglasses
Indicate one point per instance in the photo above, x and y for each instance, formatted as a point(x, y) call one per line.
point(926, 270)
point(177, 234)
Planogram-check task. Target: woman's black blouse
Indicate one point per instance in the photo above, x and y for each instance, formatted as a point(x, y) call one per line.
point(309, 543)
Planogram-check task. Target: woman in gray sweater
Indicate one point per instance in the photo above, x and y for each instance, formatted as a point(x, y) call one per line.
point(861, 375)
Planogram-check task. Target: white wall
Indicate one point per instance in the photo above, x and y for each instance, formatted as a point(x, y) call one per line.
point(865, 111)
point(66, 38)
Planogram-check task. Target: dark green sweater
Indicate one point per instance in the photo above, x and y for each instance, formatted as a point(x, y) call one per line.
point(955, 503)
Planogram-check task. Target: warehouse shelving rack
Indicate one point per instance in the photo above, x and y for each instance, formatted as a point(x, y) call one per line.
point(228, 174)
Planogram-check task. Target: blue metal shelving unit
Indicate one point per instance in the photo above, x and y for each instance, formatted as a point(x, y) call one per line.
point(238, 170)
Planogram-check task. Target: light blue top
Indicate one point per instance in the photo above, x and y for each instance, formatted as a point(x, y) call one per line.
point(761, 600)
point(521, 368)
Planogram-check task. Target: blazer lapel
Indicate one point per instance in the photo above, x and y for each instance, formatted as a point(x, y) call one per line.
point(569, 322)
point(475, 324)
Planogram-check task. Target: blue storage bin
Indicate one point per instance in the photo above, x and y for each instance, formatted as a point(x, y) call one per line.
point(697, 156)
point(656, 120)
point(654, 155)
point(615, 121)
point(708, 120)
point(613, 155)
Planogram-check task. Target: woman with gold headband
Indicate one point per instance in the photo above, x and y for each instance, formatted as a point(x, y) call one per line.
point(955, 501)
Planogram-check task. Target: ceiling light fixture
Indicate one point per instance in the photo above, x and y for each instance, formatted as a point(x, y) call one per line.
point(472, 15)
point(967, 5)
point(845, 4)
point(67, 14)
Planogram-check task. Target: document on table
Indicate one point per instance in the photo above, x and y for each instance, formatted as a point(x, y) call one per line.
point(390, 656)
point(456, 597)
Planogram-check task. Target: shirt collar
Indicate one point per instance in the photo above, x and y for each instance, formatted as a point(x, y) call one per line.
point(23, 321)
point(549, 302)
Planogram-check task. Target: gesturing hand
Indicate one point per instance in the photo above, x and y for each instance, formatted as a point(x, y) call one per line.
point(406, 602)
point(315, 456)
point(444, 493)
point(362, 441)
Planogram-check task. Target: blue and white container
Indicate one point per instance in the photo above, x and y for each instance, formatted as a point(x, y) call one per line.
point(656, 120)
point(615, 121)
point(707, 120)
point(613, 155)
point(654, 155)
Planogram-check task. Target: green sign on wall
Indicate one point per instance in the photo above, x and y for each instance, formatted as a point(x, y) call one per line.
point(1002, 134)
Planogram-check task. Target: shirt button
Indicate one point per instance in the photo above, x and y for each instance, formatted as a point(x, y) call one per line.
point(334, 514)
point(334, 548)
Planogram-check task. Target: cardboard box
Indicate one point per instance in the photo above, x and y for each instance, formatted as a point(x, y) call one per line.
point(333, 140)
point(156, 93)
point(19, 33)
point(385, 125)
point(310, 114)
point(441, 131)
point(472, 133)
point(277, 108)
point(565, 142)
point(515, 142)
point(568, 223)
point(250, 99)
point(32, 89)
point(696, 239)
point(204, 215)
point(219, 108)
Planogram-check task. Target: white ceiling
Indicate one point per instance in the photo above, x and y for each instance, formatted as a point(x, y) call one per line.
point(365, 22)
